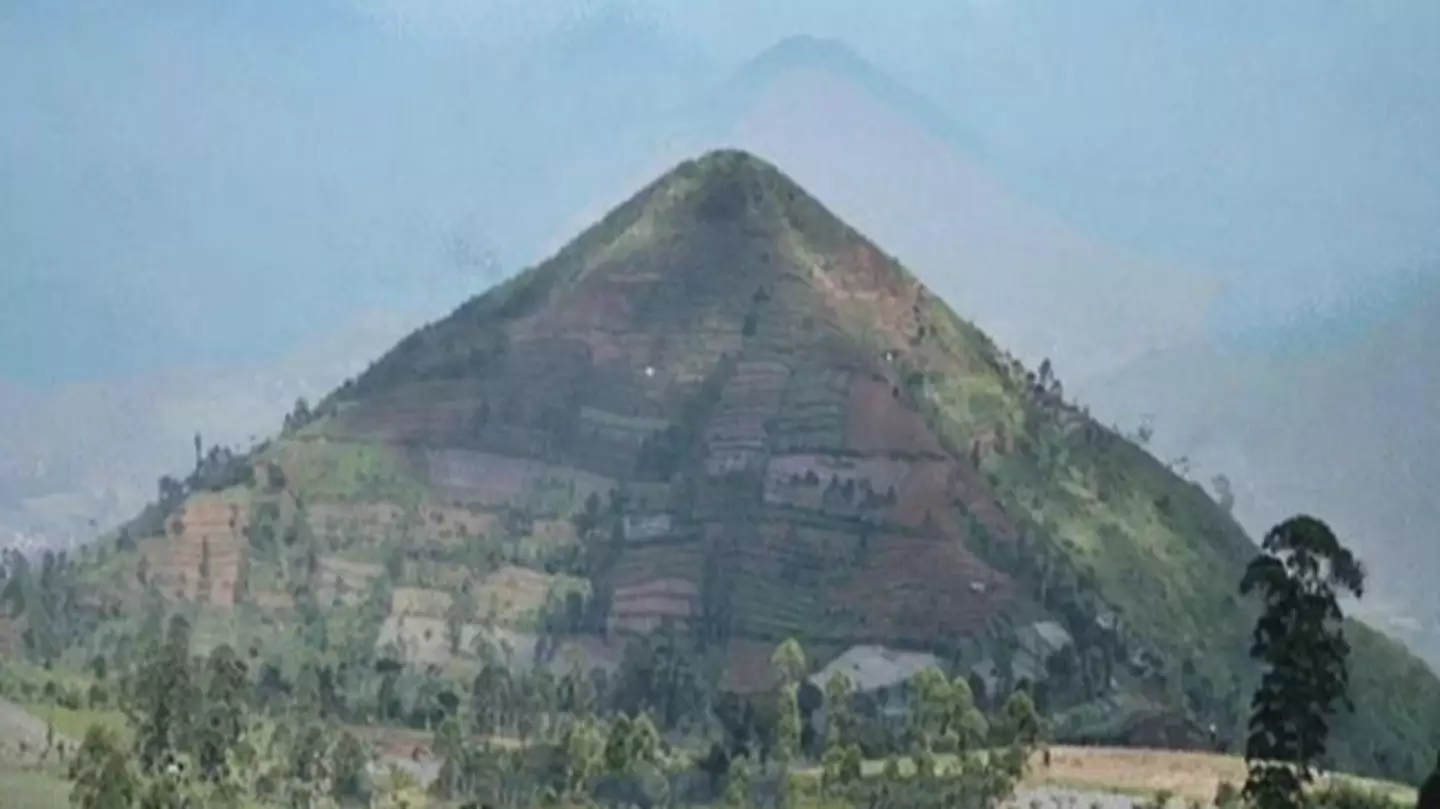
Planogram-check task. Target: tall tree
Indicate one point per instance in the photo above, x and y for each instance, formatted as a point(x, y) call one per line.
point(1020, 728)
point(839, 691)
point(1429, 795)
point(787, 725)
point(789, 661)
point(966, 723)
point(348, 761)
point(460, 613)
point(617, 745)
point(449, 746)
point(222, 712)
point(1300, 574)
point(162, 699)
point(930, 707)
point(644, 740)
point(101, 774)
point(584, 755)
point(737, 785)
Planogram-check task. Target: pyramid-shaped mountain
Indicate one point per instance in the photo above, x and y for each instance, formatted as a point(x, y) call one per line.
point(723, 415)
point(753, 375)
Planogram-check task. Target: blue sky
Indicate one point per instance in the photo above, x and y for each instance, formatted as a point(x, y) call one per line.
point(202, 181)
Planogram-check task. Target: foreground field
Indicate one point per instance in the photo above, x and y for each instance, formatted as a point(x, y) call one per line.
point(32, 790)
point(1113, 778)
point(1188, 776)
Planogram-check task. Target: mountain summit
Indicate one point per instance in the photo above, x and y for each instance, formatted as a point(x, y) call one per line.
point(723, 342)
point(723, 416)
point(722, 256)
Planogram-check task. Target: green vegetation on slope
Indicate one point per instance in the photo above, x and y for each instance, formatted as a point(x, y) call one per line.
point(724, 262)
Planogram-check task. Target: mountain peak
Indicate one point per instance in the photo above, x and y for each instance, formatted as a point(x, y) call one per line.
point(729, 164)
point(725, 240)
point(728, 184)
point(727, 205)
point(805, 50)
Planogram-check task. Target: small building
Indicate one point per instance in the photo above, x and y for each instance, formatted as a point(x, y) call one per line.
point(879, 673)
point(1039, 641)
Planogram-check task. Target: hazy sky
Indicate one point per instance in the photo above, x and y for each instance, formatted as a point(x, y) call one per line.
point(203, 180)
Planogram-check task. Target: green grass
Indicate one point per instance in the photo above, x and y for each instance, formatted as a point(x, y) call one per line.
point(346, 471)
point(33, 790)
point(75, 723)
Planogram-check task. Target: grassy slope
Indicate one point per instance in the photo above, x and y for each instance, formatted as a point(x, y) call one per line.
point(33, 790)
point(1168, 559)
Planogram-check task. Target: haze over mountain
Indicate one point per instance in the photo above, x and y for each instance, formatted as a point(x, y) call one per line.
point(82, 457)
point(357, 137)
point(191, 189)
point(1041, 286)
point(1345, 428)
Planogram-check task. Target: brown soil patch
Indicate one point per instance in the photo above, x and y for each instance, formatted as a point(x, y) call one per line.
point(511, 593)
point(207, 528)
point(1145, 771)
point(877, 421)
point(12, 631)
point(334, 516)
point(924, 494)
point(918, 590)
point(747, 667)
point(271, 600)
point(554, 532)
point(440, 518)
point(645, 606)
point(345, 580)
point(417, 601)
point(1190, 776)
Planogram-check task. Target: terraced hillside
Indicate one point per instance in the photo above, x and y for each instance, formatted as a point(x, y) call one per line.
point(722, 413)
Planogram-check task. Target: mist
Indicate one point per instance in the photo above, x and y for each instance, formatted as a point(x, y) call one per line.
point(188, 181)
point(196, 197)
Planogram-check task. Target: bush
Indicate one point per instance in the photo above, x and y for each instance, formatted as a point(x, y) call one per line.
point(1227, 796)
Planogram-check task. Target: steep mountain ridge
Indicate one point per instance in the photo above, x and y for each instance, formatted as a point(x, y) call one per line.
point(721, 412)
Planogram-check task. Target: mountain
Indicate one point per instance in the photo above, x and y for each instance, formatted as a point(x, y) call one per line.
point(724, 416)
